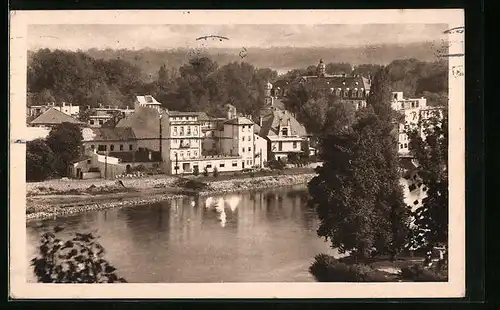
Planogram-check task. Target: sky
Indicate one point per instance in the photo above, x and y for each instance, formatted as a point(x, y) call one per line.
point(74, 37)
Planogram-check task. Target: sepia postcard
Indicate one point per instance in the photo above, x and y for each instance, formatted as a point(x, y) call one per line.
point(237, 154)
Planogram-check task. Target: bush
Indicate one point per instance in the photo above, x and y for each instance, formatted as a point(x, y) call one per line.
point(215, 172)
point(419, 273)
point(275, 164)
point(139, 168)
point(39, 160)
point(196, 171)
point(326, 268)
point(205, 171)
point(79, 260)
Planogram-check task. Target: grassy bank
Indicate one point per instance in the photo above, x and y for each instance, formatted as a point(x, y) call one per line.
point(55, 198)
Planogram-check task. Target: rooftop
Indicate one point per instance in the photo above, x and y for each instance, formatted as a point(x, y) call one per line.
point(108, 134)
point(239, 121)
point(147, 100)
point(54, 117)
point(273, 119)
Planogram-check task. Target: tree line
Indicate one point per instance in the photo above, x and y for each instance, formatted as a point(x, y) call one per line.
point(201, 83)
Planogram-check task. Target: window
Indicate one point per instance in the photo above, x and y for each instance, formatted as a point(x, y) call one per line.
point(401, 145)
point(91, 122)
point(195, 153)
point(209, 165)
point(175, 154)
point(360, 93)
point(235, 164)
point(181, 130)
point(250, 162)
point(121, 147)
point(188, 154)
point(346, 92)
point(337, 92)
point(280, 146)
point(182, 154)
point(130, 147)
point(402, 105)
point(243, 128)
point(406, 145)
point(111, 147)
point(243, 138)
point(416, 104)
point(221, 165)
point(294, 144)
point(195, 131)
point(174, 133)
point(101, 148)
point(249, 149)
point(284, 131)
point(188, 130)
point(243, 150)
point(88, 161)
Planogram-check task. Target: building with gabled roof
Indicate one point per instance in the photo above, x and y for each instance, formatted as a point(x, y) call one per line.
point(53, 117)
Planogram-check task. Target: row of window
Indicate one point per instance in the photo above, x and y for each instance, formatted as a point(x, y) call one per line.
point(243, 149)
point(92, 122)
point(403, 145)
point(104, 147)
point(188, 154)
point(183, 118)
point(249, 138)
point(185, 130)
point(345, 93)
point(414, 104)
point(245, 127)
point(280, 145)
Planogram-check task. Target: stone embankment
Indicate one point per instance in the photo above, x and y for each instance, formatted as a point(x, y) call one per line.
point(65, 197)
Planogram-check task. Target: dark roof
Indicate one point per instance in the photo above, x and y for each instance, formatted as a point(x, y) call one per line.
point(82, 158)
point(54, 117)
point(177, 113)
point(144, 122)
point(335, 81)
point(273, 119)
point(113, 134)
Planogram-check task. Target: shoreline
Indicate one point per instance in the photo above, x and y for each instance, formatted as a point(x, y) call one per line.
point(55, 206)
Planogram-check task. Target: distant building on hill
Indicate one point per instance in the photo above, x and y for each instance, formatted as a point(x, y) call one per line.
point(66, 108)
point(53, 117)
point(349, 88)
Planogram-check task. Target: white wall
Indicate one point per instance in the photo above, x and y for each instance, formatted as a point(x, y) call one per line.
point(227, 165)
point(261, 149)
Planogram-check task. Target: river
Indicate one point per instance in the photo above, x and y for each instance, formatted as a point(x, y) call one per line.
point(257, 236)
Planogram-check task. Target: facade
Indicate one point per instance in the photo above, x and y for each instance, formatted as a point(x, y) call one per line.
point(145, 124)
point(147, 101)
point(102, 115)
point(260, 147)
point(237, 139)
point(353, 89)
point(415, 111)
point(284, 134)
point(105, 140)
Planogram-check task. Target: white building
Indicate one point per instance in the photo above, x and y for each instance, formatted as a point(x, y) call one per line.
point(415, 110)
point(147, 101)
point(66, 108)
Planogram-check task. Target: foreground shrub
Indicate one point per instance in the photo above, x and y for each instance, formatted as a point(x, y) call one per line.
point(419, 273)
point(79, 260)
point(326, 268)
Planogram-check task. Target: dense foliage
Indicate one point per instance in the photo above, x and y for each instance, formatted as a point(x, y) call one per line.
point(431, 153)
point(66, 142)
point(326, 268)
point(77, 260)
point(356, 192)
point(39, 160)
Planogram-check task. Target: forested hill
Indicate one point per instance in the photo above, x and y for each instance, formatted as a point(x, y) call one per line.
point(199, 83)
point(281, 59)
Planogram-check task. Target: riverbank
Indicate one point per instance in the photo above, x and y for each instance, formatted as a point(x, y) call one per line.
point(58, 198)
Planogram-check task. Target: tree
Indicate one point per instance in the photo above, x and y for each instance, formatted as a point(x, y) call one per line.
point(196, 171)
point(215, 172)
point(356, 192)
point(78, 260)
point(429, 146)
point(66, 143)
point(338, 68)
point(39, 160)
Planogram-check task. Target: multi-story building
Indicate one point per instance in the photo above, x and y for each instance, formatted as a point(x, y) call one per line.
point(415, 111)
point(353, 89)
point(237, 138)
point(53, 117)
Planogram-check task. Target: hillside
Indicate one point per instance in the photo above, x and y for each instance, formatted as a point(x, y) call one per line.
point(281, 59)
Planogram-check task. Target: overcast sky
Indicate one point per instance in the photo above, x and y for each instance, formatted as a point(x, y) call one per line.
point(75, 37)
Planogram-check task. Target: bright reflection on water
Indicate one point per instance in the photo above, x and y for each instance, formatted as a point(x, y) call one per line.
point(260, 236)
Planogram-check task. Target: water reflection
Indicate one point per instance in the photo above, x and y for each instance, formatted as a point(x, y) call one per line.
point(255, 236)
